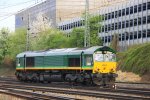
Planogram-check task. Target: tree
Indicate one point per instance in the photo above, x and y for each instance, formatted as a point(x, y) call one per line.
point(51, 38)
point(115, 42)
point(17, 42)
point(40, 24)
point(94, 22)
point(77, 34)
point(4, 33)
point(76, 38)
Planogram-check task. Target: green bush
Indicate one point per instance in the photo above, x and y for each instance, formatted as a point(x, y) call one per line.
point(136, 59)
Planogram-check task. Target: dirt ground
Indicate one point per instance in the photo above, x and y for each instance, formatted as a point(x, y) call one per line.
point(145, 78)
point(7, 97)
point(131, 77)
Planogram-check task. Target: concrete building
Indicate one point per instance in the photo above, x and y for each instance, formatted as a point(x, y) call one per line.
point(56, 11)
point(46, 8)
point(130, 20)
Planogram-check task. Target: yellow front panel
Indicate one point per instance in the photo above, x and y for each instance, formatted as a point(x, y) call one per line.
point(104, 67)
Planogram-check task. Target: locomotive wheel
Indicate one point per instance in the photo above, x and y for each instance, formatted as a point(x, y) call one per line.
point(97, 81)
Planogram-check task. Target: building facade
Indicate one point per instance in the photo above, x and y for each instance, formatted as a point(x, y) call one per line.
point(130, 20)
point(26, 16)
point(56, 11)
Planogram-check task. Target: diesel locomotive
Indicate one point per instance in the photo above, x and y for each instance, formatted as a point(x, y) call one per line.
point(93, 65)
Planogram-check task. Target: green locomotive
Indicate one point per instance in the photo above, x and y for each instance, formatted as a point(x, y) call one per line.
point(93, 65)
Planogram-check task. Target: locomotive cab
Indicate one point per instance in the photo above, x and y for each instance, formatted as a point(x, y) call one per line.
point(104, 62)
point(104, 67)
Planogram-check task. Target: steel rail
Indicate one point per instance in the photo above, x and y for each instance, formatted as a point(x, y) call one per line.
point(31, 95)
point(73, 92)
point(127, 90)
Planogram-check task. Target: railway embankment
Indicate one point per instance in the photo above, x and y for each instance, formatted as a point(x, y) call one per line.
point(137, 60)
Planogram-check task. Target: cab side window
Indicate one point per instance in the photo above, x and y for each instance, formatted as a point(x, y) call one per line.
point(89, 60)
point(18, 61)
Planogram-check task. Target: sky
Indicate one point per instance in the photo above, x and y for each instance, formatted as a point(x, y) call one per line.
point(8, 9)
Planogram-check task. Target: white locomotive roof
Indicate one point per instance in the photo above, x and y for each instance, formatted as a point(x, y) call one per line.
point(64, 51)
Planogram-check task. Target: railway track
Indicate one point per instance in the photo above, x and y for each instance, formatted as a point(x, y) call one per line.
point(125, 93)
point(74, 92)
point(101, 93)
point(31, 95)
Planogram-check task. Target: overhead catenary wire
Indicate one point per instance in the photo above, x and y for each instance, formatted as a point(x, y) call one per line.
point(9, 15)
point(17, 4)
point(95, 8)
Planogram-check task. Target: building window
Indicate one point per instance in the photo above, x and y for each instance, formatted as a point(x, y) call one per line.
point(109, 27)
point(127, 11)
point(123, 37)
point(139, 7)
point(135, 22)
point(67, 26)
point(148, 5)
point(131, 23)
point(63, 27)
point(123, 24)
point(112, 14)
point(78, 23)
point(102, 28)
point(135, 9)
point(135, 35)
point(127, 24)
point(131, 36)
point(116, 26)
point(105, 39)
point(109, 16)
point(144, 6)
point(119, 37)
point(74, 24)
point(148, 19)
point(112, 26)
point(127, 35)
point(144, 20)
point(139, 34)
point(106, 29)
point(119, 26)
point(22, 18)
point(103, 17)
point(116, 14)
point(119, 13)
point(139, 21)
point(109, 38)
point(106, 17)
point(144, 33)
point(148, 33)
point(131, 10)
point(123, 12)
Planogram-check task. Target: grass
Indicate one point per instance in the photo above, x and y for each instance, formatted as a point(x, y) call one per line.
point(136, 59)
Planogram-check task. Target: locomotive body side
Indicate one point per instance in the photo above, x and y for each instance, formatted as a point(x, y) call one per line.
point(72, 65)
